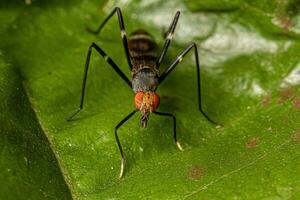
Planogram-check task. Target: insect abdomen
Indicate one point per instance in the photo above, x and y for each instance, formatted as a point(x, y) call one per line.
point(143, 49)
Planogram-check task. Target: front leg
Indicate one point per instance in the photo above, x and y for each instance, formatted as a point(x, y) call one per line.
point(119, 143)
point(174, 127)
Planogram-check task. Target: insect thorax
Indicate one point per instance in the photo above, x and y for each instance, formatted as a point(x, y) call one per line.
point(145, 80)
point(143, 54)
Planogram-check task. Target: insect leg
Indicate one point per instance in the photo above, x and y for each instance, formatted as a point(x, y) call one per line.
point(109, 61)
point(122, 29)
point(174, 64)
point(169, 37)
point(119, 143)
point(174, 127)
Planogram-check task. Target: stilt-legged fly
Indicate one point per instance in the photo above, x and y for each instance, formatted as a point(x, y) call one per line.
point(143, 59)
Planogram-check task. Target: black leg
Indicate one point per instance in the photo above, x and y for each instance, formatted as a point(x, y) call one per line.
point(174, 64)
point(122, 29)
point(169, 37)
point(119, 143)
point(174, 127)
point(109, 61)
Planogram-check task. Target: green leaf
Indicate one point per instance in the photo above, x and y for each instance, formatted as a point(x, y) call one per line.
point(28, 167)
point(249, 51)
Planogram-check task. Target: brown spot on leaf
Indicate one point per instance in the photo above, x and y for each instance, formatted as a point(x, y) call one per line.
point(286, 94)
point(266, 100)
point(195, 172)
point(286, 23)
point(252, 142)
point(296, 103)
point(296, 136)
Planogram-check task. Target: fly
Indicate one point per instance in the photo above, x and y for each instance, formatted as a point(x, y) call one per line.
point(144, 61)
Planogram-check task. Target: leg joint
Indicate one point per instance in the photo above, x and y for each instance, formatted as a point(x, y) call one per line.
point(193, 44)
point(173, 117)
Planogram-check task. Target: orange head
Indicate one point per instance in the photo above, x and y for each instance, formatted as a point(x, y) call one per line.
point(146, 102)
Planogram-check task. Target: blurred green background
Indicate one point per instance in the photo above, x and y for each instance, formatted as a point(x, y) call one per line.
point(249, 52)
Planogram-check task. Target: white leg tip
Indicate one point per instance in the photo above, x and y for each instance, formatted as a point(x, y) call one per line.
point(179, 146)
point(122, 169)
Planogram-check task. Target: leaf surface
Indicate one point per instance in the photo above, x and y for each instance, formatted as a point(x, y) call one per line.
point(249, 53)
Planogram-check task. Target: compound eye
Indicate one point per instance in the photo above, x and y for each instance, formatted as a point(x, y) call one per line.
point(138, 99)
point(155, 101)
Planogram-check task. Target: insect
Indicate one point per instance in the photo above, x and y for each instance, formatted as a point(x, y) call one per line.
point(144, 61)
